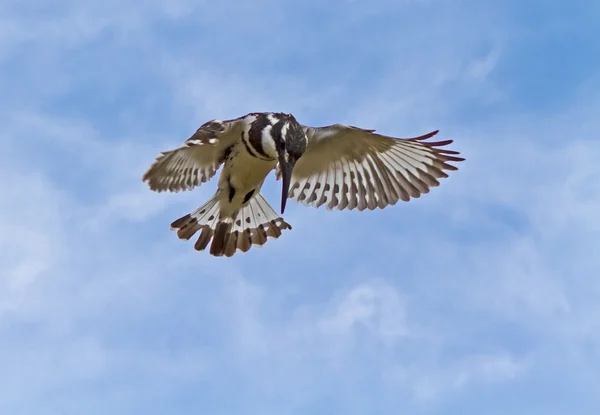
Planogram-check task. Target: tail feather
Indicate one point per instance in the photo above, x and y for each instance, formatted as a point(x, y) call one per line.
point(205, 218)
point(221, 238)
point(244, 240)
point(256, 237)
point(253, 225)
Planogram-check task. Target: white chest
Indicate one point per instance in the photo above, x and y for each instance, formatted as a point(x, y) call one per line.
point(243, 171)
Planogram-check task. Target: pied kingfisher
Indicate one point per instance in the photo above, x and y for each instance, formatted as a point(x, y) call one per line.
point(340, 166)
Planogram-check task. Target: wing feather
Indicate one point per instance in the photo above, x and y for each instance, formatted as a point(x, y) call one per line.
point(197, 160)
point(346, 167)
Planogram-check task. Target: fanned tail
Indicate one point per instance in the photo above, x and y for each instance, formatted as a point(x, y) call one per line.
point(253, 225)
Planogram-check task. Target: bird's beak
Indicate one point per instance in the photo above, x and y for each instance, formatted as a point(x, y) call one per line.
point(286, 174)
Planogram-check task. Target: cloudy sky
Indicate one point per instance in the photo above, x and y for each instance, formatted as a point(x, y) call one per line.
point(481, 297)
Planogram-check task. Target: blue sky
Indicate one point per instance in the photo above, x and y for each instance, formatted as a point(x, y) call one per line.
point(480, 297)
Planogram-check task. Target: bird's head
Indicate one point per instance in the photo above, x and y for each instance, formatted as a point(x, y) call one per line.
point(291, 146)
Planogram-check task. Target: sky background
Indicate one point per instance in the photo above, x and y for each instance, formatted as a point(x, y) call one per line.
point(482, 297)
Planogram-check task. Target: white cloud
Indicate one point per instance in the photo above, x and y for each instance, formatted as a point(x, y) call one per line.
point(32, 234)
point(378, 308)
point(465, 375)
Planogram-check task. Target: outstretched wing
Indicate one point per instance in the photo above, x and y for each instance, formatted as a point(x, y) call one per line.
point(197, 160)
point(345, 167)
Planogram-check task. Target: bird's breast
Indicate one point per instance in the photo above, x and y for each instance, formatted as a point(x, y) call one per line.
point(245, 172)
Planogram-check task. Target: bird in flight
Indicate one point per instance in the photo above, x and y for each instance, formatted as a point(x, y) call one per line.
point(339, 166)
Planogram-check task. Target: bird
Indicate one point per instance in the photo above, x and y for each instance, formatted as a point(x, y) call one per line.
point(340, 166)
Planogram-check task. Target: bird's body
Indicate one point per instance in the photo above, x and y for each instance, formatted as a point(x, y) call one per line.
point(241, 177)
point(339, 166)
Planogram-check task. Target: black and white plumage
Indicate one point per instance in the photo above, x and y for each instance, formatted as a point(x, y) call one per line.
point(339, 166)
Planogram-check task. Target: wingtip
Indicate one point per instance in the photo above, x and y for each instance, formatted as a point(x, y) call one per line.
point(425, 136)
